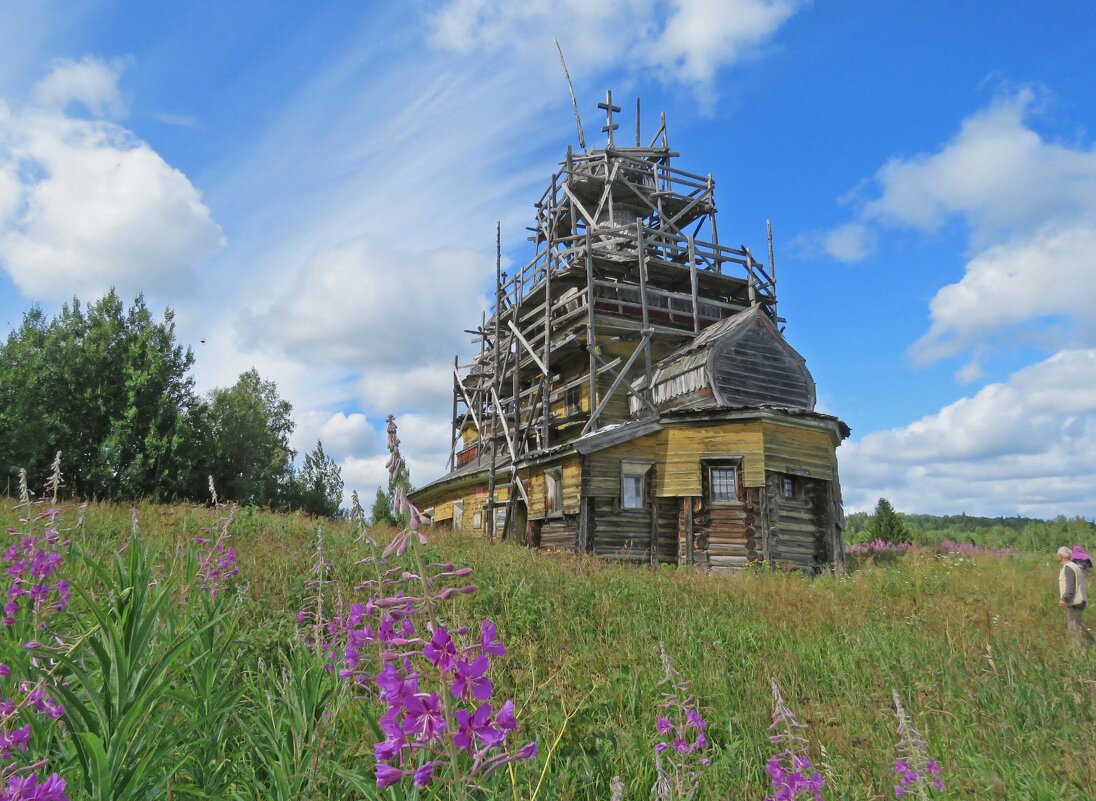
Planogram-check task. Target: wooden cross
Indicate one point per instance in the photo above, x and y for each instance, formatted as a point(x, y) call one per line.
point(609, 108)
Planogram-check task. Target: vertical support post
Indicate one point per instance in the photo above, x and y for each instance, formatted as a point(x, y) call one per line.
point(489, 524)
point(688, 531)
point(456, 432)
point(547, 404)
point(643, 303)
point(591, 339)
point(772, 262)
point(652, 504)
point(751, 276)
point(637, 122)
point(711, 224)
point(693, 285)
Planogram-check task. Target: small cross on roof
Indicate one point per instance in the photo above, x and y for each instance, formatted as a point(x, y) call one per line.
point(609, 108)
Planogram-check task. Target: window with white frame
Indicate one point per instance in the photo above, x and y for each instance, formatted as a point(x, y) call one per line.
point(458, 515)
point(722, 481)
point(633, 484)
point(477, 520)
point(553, 492)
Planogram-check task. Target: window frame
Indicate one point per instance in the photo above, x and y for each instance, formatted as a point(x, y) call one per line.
point(458, 515)
point(729, 463)
point(553, 501)
point(788, 487)
point(572, 400)
point(629, 468)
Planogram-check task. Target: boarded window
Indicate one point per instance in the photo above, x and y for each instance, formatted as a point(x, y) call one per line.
point(633, 485)
point(722, 481)
point(574, 400)
point(477, 520)
point(553, 492)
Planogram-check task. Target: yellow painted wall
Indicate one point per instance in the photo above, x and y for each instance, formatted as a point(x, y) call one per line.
point(804, 448)
point(677, 452)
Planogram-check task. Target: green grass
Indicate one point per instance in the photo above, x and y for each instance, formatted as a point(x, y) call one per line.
point(976, 646)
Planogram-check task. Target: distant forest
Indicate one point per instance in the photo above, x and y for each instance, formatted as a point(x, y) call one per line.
point(1017, 533)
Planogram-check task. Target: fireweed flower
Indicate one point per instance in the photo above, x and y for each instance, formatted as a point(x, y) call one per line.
point(680, 752)
point(34, 594)
point(790, 770)
point(217, 565)
point(440, 720)
point(918, 776)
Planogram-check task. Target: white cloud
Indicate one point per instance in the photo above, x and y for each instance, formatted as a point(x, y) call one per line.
point(849, 242)
point(1045, 274)
point(423, 386)
point(1026, 446)
point(93, 206)
point(998, 174)
point(366, 306)
point(342, 434)
point(1028, 204)
point(686, 43)
point(90, 81)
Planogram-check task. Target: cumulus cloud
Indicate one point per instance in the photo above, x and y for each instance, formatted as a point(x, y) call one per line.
point(90, 81)
point(997, 174)
point(342, 434)
point(85, 205)
point(1028, 205)
point(367, 306)
point(1026, 446)
point(688, 43)
point(1046, 274)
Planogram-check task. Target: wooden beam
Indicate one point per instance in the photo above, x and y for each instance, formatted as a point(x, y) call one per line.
point(471, 407)
point(505, 428)
point(528, 347)
point(591, 339)
point(693, 286)
point(688, 531)
point(643, 300)
point(616, 383)
point(456, 431)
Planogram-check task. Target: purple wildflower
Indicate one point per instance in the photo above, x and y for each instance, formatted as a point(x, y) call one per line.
point(470, 682)
point(790, 770)
point(917, 774)
point(678, 756)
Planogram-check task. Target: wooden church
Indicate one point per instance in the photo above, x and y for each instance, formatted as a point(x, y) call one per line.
point(634, 395)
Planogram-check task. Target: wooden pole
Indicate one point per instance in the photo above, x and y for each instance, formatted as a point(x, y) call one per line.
point(591, 339)
point(495, 378)
point(643, 302)
point(693, 285)
point(456, 431)
point(772, 262)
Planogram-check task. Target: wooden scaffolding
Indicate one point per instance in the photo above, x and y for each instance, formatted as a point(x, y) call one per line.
point(627, 266)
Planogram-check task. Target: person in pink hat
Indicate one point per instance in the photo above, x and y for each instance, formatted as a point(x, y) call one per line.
point(1073, 594)
point(1081, 558)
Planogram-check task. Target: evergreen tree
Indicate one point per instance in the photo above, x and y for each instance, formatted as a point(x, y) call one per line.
point(320, 484)
point(886, 525)
point(381, 513)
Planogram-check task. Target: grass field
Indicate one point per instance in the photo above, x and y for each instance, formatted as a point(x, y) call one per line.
point(975, 645)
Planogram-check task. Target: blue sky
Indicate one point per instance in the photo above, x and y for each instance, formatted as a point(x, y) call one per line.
point(314, 189)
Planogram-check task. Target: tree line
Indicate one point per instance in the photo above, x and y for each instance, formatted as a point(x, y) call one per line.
point(1018, 533)
point(112, 390)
